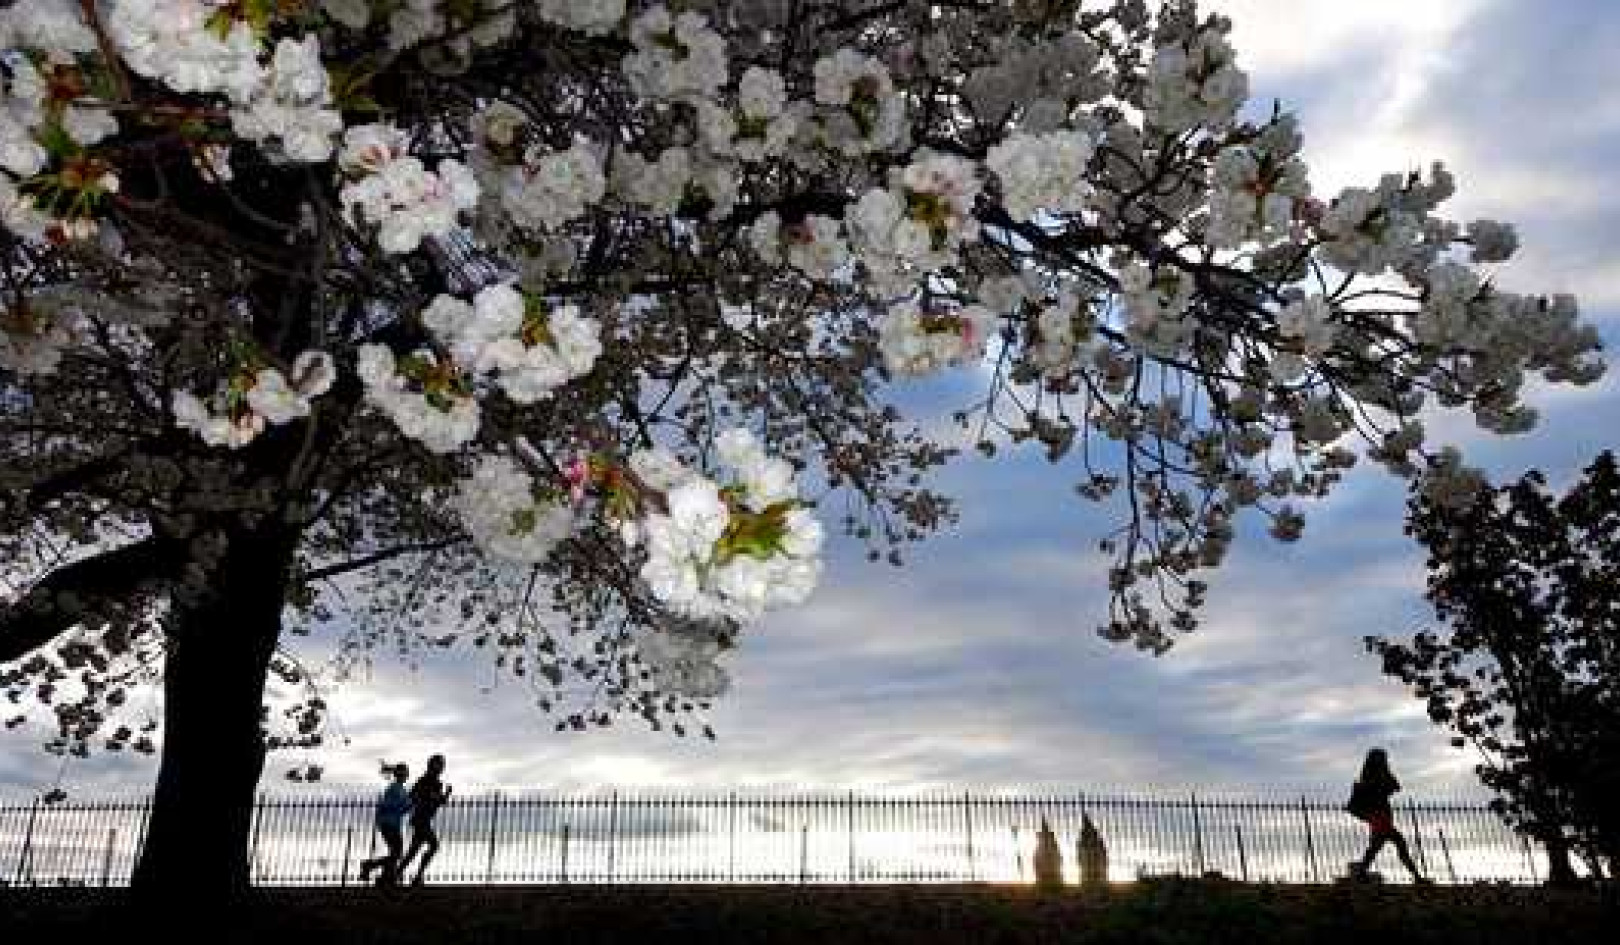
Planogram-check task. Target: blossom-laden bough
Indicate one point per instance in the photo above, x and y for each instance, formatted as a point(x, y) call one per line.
point(561, 326)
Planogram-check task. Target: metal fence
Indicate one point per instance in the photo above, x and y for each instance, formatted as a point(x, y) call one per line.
point(651, 837)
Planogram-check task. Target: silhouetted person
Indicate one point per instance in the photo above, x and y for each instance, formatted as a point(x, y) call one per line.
point(1369, 801)
point(428, 794)
point(1092, 854)
point(391, 809)
point(1048, 859)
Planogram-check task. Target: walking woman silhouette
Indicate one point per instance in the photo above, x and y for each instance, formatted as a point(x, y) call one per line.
point(1369, 801)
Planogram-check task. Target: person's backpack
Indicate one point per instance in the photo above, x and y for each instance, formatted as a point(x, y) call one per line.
point(1360, 805)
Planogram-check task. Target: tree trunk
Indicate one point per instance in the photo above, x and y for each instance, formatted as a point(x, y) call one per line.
point(218, 653)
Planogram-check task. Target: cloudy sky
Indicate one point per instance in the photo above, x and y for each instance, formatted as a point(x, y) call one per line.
point(977, 664)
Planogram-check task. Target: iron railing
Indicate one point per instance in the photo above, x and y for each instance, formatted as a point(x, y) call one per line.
point(667, 837)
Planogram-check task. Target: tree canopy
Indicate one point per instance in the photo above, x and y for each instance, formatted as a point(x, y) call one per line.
point(1525, 665)
point(567, 324)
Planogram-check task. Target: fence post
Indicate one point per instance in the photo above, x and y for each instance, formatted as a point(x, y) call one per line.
point(1445, 848)
point(565, 833)
point(494, 820)
point(1310, 843)
point(849, 811)
point(1198, 835)
point(106, 860)
point(1529, 858)
point(253, 840)
point(731, 838)
point(1417, 836)
point(967, 821)
point(25, 863)
point(613, 835)
point(1243, 856)
point(140, 842)
point(348, 847)
point(804, 854)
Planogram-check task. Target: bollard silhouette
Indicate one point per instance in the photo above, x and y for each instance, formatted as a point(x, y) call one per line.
point(1093, 856)
point(1048, 859)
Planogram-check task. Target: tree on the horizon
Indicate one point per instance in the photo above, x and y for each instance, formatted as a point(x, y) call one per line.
point(560, 325)
point(1525, 663)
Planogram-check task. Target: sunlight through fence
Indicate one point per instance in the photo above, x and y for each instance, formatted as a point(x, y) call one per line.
point(652, 837)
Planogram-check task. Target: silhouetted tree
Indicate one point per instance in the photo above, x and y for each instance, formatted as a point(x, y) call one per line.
point(1525, 664)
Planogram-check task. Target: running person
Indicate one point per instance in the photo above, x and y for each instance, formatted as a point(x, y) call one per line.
point(428, 794)
point(391, 809)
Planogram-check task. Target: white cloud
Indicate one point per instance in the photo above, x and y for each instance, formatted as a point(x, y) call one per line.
point(1284, 38)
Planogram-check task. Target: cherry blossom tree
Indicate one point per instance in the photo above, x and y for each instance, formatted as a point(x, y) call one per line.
point(564, 325)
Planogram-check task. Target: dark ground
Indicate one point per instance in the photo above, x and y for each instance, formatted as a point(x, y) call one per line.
point(1163, 911)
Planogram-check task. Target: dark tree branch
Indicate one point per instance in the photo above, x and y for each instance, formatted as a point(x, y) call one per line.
point(366, 561)
point(68, 595)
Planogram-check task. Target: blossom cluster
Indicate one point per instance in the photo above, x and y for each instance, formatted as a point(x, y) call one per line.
point(672, 180)
point(815, 245)
point(508, 515)
point(205, 47)
point(394, 192)
point(678, 56)
point(918, 222)
point(728, 551)
point(530, 349)
point(1374, 230)
point(1307, 327)
point(292, 105)
point(457, 28)
point(917, 339)
point(762, 124)
point(1060, 330)
point(237, 413)
point(862, 111)
point(33, 340)
point(1195, 82)
point(548, 190)
point(1157, 301)
point(1255, 187)
point(429, 398)
point(1042, 172)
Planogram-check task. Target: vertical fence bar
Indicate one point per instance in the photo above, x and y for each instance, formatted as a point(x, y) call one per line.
point(494, 823)
point(1310, 843)
point(106, 860)
point(348, 848)
point(731, 837)
point(1445, 849)
point(613, 835)
point(1243, 856)
point(1529, 858)
point(1417, 836)
point(140, 841)
point(804, 853)
point(253, 840)
point(25, 866)
point(849, 817)
point(1198, 836)
point(563, 873)
point(967, 826)
point(80, 867)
